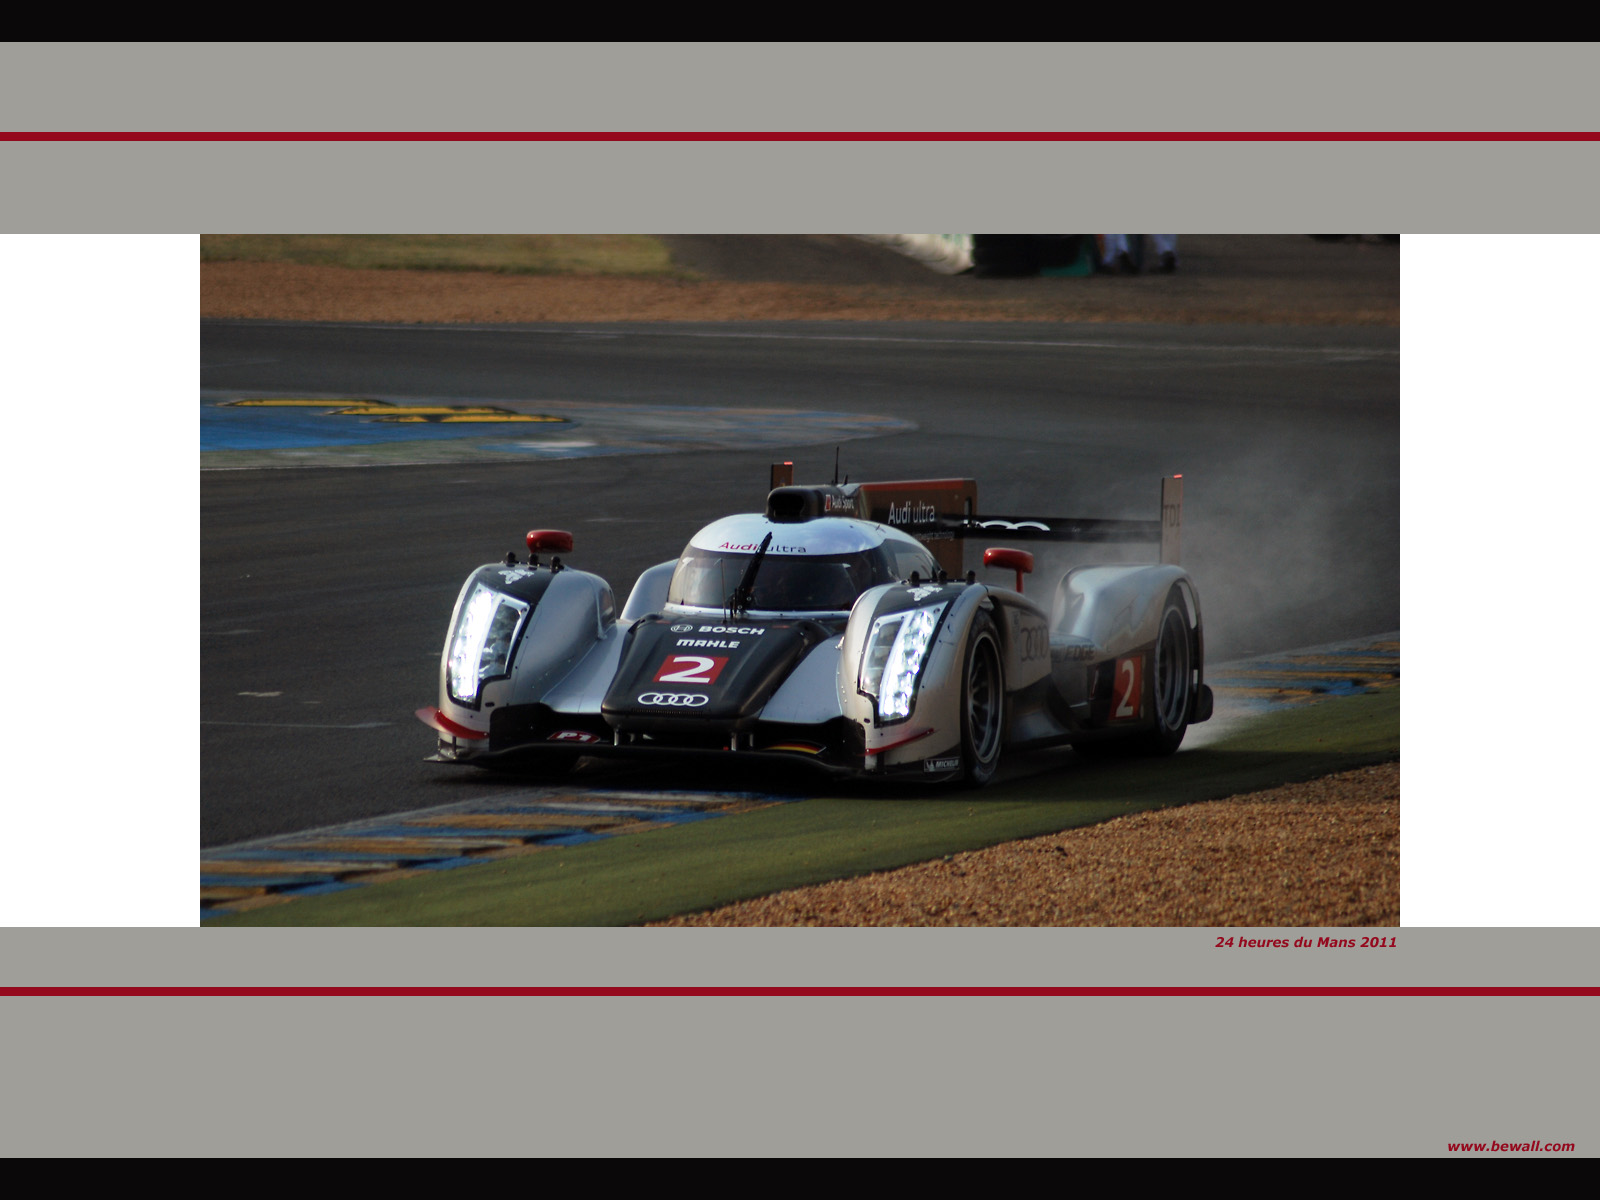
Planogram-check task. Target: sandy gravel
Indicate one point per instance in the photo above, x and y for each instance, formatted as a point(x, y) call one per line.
point(1278, 280)
point(1321, 853)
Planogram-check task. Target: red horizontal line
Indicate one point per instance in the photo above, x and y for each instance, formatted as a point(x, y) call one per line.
point(795, 136)
point(780, 992)
point(905, 741)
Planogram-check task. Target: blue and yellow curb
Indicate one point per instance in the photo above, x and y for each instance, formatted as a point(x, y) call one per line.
point(276, 870)
point(1342, 669)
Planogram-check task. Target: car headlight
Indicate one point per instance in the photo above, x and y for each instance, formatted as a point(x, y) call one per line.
point(480, 649)
point(896, 649)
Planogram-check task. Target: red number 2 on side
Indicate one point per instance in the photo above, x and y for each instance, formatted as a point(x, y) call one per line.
point(1128, 695)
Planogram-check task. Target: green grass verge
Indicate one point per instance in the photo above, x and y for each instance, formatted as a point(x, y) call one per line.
point(688, 868)
point(521, 254)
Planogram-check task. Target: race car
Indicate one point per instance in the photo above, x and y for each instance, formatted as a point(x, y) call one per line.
point(835, 630)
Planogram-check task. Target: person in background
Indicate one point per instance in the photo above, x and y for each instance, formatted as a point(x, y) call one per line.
point(1116, 255)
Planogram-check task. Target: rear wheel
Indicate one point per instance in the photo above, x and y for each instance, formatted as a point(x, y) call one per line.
point(1172, 682)
point(1171, 691)
point(983, 697)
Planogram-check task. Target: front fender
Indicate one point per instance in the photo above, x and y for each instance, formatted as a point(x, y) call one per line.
point(649, 594)
point(933, 730)
point(571, 611)
point(576, 612)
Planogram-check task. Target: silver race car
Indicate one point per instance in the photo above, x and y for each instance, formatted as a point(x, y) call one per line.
point(836, 630)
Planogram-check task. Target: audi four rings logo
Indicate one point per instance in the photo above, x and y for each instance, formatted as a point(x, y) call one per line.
point(673, 699)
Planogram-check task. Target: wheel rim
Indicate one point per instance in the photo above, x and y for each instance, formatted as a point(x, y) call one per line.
point(984, 702)
point(1172, 671)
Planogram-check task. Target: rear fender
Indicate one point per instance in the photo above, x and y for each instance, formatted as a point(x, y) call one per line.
point(1117, 609)
point(1101, 613)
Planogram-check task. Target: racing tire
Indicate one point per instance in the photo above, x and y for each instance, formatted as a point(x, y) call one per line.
point(1171, 692)
point(1172, 682)
point(983, 704)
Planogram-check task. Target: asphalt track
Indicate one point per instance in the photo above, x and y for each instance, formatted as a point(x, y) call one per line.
point(324, 591)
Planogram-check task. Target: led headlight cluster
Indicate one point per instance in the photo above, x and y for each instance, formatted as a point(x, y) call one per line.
point(897, 647)
point(481, 646)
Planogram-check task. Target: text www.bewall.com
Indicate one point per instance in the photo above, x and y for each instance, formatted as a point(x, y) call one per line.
point(1514, 1147)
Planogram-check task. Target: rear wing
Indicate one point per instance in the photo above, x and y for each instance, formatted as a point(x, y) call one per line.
point(941, 513)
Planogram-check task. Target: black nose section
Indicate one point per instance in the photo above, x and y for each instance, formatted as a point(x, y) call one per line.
point(698, 676)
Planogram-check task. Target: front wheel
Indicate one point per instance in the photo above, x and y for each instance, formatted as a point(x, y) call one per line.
point(983, 696)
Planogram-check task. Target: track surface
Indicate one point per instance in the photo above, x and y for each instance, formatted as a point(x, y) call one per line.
point(326, 591)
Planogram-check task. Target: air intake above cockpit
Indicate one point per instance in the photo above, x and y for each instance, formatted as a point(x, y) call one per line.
point(788, 504)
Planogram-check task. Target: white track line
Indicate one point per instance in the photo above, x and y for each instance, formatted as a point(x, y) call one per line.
point(291, 725)
point(1070, 344)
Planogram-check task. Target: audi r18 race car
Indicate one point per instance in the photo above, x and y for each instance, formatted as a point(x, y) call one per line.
point(836, 629)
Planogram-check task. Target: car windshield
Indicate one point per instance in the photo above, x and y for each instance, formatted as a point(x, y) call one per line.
point(831, 583)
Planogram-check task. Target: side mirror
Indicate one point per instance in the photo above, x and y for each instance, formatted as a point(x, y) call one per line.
point(1019, 561)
